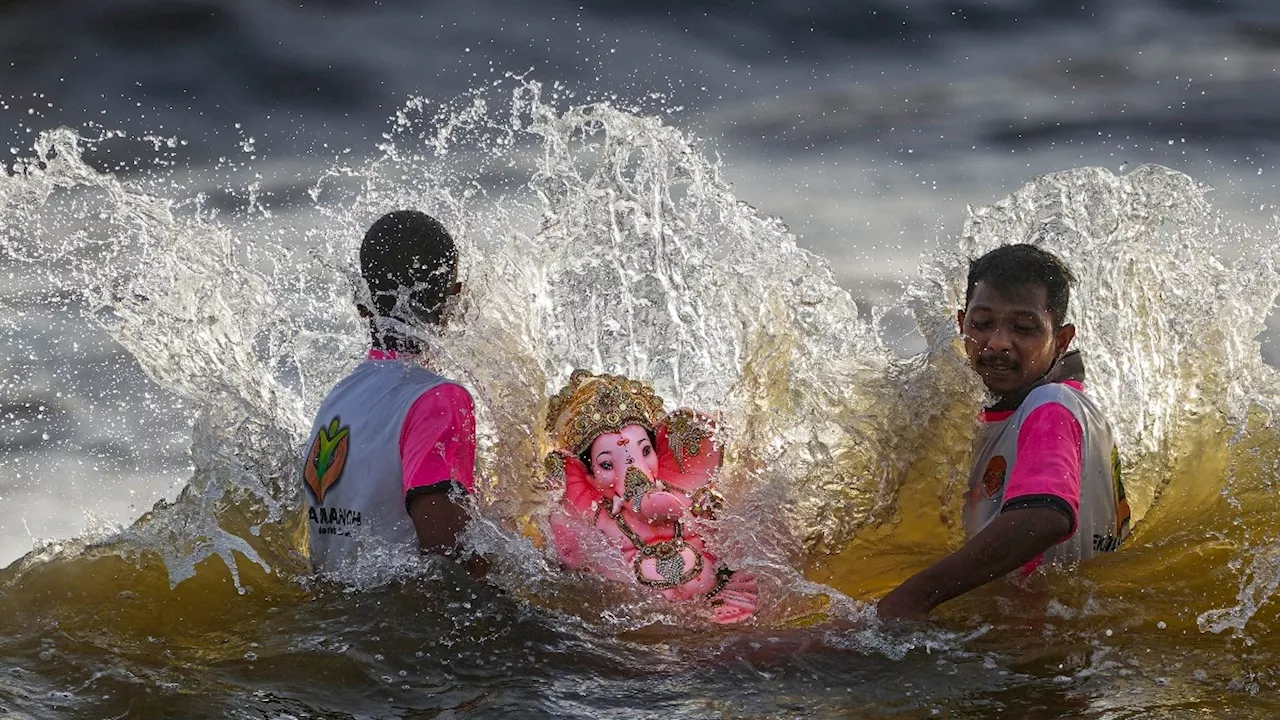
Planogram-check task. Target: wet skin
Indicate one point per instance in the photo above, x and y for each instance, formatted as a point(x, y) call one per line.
point(1010, 336)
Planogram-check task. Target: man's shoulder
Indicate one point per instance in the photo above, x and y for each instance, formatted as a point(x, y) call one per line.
point(1057, 393)
point(389, 380)
point(404, 372)
point(451, 389)
point(444, 397)
point(1070, 396)
point(418, 373)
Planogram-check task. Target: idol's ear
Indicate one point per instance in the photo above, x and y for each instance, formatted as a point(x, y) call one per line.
point(568, 472)
point(688, 456)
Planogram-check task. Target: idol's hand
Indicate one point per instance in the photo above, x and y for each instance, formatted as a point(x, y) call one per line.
point(736, 601)
point(660, 507)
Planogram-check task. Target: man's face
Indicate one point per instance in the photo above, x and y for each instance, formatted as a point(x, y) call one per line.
point(1010, 337)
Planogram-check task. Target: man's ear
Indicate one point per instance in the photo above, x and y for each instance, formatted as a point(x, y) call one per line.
point(960, 321)
point(1062, 339)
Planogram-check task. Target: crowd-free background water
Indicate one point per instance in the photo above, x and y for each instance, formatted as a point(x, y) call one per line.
point(177, 300)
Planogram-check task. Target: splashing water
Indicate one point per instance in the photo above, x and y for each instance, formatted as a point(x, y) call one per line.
point(595, 237)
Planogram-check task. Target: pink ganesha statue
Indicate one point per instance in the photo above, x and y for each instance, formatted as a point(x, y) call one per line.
point(645, 479)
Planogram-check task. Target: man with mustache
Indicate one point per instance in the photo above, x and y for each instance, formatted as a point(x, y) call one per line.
point(1045, 485)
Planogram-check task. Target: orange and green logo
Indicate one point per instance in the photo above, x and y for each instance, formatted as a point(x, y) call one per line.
point(327, 458)
point(993, 478)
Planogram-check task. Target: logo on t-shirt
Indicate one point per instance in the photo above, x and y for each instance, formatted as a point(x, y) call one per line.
point(993, 478)
point(327, 458)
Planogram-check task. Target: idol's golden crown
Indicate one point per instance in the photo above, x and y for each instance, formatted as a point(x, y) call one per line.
point(592, 405)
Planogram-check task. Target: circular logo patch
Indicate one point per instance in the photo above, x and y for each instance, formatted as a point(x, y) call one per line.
point(993, 478)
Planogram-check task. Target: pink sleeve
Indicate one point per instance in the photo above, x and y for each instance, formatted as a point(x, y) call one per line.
point(438, 439)
point(1050, 448)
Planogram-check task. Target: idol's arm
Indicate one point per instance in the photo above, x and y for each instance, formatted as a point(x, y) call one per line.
point(1010, 541)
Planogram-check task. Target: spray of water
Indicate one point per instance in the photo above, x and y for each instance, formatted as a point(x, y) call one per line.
point(594, 237)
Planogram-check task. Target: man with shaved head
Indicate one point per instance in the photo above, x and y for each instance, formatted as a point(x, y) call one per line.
point(390, 459)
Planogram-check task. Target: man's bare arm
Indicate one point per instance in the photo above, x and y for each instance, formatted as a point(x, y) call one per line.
point(438, 519)
point(1010, 541)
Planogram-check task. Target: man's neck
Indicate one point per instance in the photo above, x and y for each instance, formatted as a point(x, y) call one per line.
point(395, 344)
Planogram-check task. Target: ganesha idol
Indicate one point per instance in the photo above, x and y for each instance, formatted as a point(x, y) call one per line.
point(645, 479)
